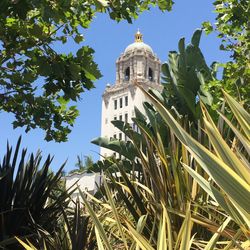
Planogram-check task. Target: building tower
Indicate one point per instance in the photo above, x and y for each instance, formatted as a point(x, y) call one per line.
point(137, 63)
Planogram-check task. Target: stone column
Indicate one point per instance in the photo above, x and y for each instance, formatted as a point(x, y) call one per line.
point(117, 72)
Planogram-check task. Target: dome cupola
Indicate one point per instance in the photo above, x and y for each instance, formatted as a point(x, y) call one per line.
point(138, 62)
point(138, 45)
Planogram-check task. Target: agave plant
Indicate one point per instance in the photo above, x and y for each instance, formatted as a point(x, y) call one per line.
point(74, 232)
point(31, 197)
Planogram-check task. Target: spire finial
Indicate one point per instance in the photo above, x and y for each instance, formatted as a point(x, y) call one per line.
point(138, 36)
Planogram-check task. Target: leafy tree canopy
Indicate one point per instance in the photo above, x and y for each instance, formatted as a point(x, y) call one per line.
point(83, 164)
point(38, 84)
point(233, 27)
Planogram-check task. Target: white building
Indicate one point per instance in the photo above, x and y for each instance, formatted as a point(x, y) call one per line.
point(138, 64)
point(85, 181)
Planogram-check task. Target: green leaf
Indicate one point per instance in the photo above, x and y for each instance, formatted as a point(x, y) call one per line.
point(162, 232)
point(212, 242)
point(216, 195)
point(96, 221)
point(117, 217)
point(79, 38)
point(140, 240)
point(207, 27)
point(238, 134)
point(26, 246)
point(186, 232)
point(222, 149)
point(196, 37)
point(124, 148)
point(235, 187)
point(240, 113)
point(75, 70)
point(181, 46)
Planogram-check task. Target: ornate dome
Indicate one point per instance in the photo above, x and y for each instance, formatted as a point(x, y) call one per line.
point(138, 44)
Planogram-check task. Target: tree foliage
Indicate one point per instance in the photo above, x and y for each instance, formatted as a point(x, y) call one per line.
point(39, 84)
point(233, 28)
point(83, 164)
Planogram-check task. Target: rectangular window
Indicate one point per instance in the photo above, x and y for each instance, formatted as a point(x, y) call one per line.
point(114, 136)
point(126, 117)
point(126, 100)
point(120, 136)
point(120, 117)
point(120, 102)
point(134, 126)
point(115, 104)
point(115, 118)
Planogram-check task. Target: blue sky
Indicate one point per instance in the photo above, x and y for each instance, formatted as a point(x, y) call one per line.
point(109, 39)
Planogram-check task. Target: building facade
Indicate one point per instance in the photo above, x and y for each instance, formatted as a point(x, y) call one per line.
point(88, 182)
point(137, 63)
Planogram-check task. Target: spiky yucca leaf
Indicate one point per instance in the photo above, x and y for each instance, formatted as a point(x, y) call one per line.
point(236, 187)
point(240, 113)
point(31, 197)
point(97, 222)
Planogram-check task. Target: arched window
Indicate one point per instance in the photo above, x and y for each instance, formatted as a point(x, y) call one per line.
point(127, 73)
point(150, 74)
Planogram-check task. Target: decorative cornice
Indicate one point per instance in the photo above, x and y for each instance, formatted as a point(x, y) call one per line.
point(121, 88)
